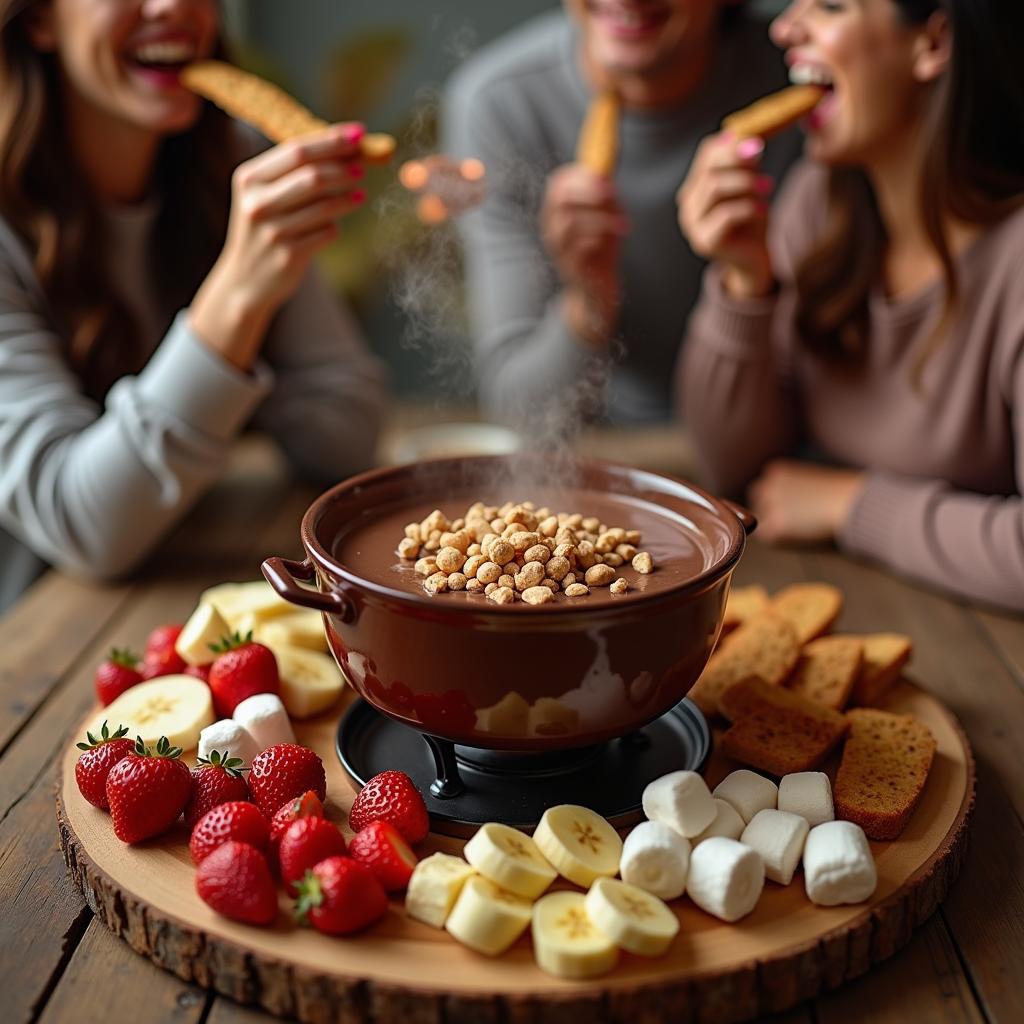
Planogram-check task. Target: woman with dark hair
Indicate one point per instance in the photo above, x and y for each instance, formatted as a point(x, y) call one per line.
point(873, 317)
point(155, 286)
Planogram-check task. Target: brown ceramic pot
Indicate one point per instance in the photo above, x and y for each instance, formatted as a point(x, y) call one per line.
point(517, 677)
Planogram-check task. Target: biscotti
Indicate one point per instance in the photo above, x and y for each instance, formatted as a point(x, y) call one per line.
point(885, 654)
point(827, 670)
point(810, 607)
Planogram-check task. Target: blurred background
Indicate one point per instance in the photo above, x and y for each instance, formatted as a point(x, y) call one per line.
point(385, 63)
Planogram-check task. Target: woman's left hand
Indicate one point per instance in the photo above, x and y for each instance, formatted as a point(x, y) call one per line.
point(800, 501)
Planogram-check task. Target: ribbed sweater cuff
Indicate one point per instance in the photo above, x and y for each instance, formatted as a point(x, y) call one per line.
point(883, 507)
point(737, 327)
point(194, 384)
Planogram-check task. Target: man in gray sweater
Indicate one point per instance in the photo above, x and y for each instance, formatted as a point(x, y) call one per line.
point(579, 287)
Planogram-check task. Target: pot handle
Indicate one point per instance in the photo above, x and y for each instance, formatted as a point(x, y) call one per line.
point(747, 518)
point(281, 574)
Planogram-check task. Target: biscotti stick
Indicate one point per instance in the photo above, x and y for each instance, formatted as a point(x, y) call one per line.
point(771, 114)
point(598, 145)
point(267, 107)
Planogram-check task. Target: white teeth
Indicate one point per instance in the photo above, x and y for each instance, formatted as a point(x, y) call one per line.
point(164, 53)
point(808, 74)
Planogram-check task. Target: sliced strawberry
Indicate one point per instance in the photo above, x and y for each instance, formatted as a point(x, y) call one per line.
point(339, 895)
point(235, 881)
point(382, 849)
point(100, 755)
point(391, 797)
point(306, 806)
point(307, 842)
point(234, 820)
point(119, 672)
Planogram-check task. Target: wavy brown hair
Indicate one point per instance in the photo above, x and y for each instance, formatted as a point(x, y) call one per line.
point(973, 170)
point(53, 211)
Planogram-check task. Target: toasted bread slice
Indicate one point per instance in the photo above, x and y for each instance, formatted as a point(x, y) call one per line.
point(811, 607)
point(765, 647)
point(827, 669)
point(884, 768)
point(743, 603)
point(776, 730)
point(885, 654)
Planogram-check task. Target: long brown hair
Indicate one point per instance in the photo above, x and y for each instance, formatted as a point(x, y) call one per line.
point(57, 217)
point(973, 170)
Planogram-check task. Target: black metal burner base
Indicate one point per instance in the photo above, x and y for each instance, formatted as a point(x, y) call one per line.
point(467, 786)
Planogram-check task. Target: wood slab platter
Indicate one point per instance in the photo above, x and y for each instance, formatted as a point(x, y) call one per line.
point(786, 951)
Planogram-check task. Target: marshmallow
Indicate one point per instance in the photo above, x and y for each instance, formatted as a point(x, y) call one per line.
point(808, 794)
point(838, 866)
point(680, 800)
point(229, 736)
point(727, 823)
point(726, 878)
point(265, 717)
point(748, 792)
point(655, 858)
point(779, 837)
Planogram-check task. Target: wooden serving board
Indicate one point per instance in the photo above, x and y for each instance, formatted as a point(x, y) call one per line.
point(399, 970)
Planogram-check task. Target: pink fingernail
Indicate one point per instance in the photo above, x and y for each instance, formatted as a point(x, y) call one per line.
point(353, 132)
point(764, 185)
point(749, 148)
point(357, 195)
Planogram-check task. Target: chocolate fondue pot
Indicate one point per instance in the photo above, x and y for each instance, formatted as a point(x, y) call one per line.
point(570, 673)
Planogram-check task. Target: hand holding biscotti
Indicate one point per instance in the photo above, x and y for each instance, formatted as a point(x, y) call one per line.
point(723, 212)
point(582, 226)
point(284, 207)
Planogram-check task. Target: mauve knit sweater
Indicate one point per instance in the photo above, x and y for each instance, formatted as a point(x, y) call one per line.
point(944, 457)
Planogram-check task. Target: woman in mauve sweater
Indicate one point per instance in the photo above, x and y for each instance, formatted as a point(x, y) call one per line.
point(873, 317)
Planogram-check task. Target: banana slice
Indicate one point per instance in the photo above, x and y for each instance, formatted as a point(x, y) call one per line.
point(633, 919)
point(310, 681)
point(434, 887)
point(509, 858)
point(178, 707)
point(579, 843)
point(205, 626)
point(296, 629)
point(566, 942)
point(235, 600)
point(487, 918)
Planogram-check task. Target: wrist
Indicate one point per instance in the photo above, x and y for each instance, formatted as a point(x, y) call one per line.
point(748, 284)
point(229, 320)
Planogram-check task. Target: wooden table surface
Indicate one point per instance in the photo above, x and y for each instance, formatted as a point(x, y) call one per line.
point(58, 964)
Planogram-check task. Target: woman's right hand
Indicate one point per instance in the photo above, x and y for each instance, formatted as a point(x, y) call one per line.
point(284, 207)
point(723, 212)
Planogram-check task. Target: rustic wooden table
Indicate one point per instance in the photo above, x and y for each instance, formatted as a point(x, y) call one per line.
point(59, 964)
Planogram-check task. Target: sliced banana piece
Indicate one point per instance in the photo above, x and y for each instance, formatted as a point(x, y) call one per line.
point(434, 887)
point(235, 600)
point(579, 843)
point(633, 919)
point(303, 628)
point(487, 918)
point(205, 627)
point(178, 707)
point(566, 942)
point(510, 859)
point(310, 681)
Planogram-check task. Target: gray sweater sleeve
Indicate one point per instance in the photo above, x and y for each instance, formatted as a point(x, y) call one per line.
point(526, 356)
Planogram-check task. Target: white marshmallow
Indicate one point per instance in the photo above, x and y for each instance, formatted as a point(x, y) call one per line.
point(748, 792)
point(229, 736)
point(682, 801)
point(779, 837)
point(838, 866)
point(656, 858)
point(726, 878)
point(808, 794)
point(727, 823)
point(265, 717)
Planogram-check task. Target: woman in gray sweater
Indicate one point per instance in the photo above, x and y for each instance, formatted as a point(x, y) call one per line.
point(155, 288)
point(878, 318)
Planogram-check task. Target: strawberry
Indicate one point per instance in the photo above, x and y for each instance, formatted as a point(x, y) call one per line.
point(382, 849)
point(147, 791)
point(118, 673)
point(199, 671)
point(340, 895)
point(306, 806)
point(236, 882)
point(93, 766)
point(241, 669)
point(391, 797)
point(305, 843)
point(237, 819)
point(285, 771)
point(160, 657)
point(215, 780)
